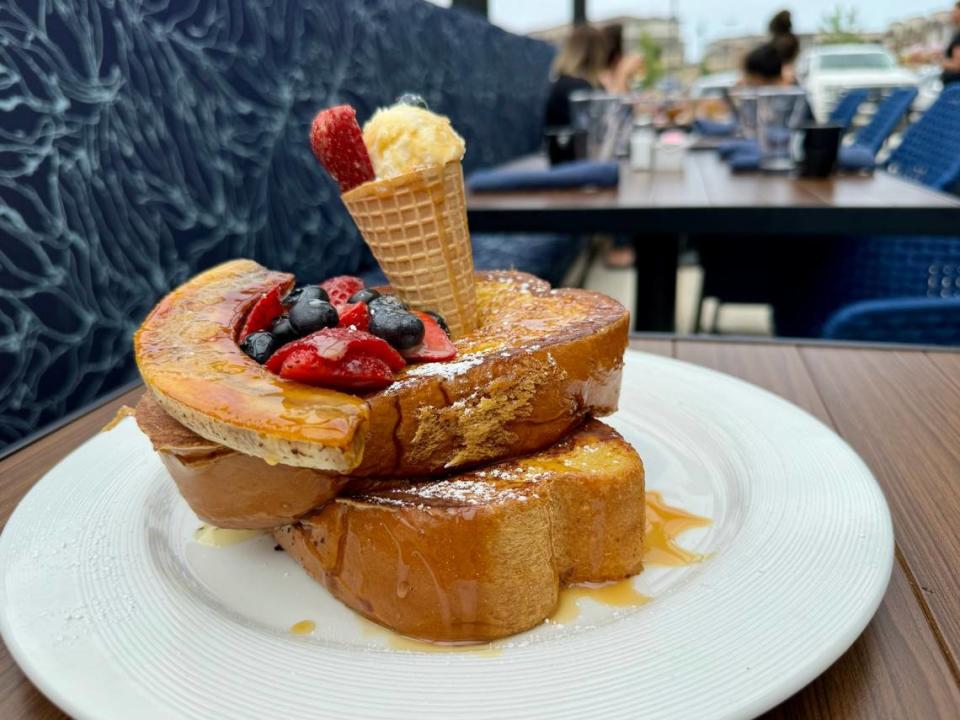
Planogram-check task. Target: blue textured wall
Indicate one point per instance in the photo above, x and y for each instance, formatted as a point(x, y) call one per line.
point(143, 141)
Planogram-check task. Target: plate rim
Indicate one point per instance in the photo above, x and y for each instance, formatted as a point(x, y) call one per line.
point(773, 695)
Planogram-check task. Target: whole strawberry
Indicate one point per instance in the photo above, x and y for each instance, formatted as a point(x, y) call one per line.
point(338, 144)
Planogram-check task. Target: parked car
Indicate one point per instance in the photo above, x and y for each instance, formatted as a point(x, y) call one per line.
point(828, 71)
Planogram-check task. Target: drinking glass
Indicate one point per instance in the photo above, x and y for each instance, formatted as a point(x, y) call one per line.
point(779, 112)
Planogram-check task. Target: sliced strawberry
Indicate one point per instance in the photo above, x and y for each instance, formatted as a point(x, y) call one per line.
point(354, 315)
point(340, 288)
point(436, 345)
point(362, 373)
point(338, 144)
point(339, 358)
point(267, 309)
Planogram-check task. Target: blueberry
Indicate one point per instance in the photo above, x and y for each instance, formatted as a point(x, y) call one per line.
point(388, 303)
point(412, 99)
point(363, 296)
point(259, 345)
point(305, 292)
point(308, 316)
point(283, 331)
point(399, 328)
point(440, 321)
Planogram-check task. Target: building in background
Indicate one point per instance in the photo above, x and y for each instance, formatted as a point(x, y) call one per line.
point(726, 54)
point(638, 32)
point(922, 39)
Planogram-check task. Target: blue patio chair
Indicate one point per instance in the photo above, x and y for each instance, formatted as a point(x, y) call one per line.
point(930, 151)
point(898, 289)
point(903, 289)
point(847, 107)
point(930, 321)
point(862, 153)
point(892, 289)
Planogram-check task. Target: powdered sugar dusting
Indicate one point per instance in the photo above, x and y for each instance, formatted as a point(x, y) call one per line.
point(445, 370)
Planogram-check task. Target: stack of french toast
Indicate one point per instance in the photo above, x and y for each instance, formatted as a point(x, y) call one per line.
point(453, 504)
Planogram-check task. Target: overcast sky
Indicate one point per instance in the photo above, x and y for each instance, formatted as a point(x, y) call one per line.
point(706, 19)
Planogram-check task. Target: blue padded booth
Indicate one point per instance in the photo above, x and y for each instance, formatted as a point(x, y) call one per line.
point(143, 142)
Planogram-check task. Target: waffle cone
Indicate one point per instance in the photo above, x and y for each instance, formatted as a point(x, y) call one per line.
point(416, 226)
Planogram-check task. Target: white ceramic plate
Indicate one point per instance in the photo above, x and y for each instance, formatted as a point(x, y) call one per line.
point(114, 611)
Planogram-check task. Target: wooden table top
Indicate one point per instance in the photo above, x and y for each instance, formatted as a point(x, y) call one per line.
point(708, 198)
point(898, 408)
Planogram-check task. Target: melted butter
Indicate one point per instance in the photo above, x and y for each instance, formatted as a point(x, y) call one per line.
point(663, 524)
point(304, 627)
point(212, 536)
point(125, 411)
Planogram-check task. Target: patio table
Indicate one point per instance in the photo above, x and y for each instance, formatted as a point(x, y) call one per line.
point(708, 199)
point(900, 410)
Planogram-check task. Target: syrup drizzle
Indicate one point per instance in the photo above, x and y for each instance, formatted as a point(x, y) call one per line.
point(304, 627)
point(663, 524)
point(396, 641)
point(619, 594)
point(125, 411)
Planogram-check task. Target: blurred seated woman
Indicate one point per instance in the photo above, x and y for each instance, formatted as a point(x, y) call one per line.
point(577, 67)
point(622, 69)
point(786, 43)
point(763, 67)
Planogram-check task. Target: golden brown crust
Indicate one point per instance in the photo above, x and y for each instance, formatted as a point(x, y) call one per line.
point(229, 489)
point(481, 555)
point(188, 356)
point(540, 361)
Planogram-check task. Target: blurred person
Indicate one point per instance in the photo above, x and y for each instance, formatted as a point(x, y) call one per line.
point(577, 66)
point(786, 43)
point(951, 58)
point(763, 67)
point(617, 78)
point(621, 69)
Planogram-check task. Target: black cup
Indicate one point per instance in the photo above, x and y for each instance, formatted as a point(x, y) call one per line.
point(565, 145)
point(821, 145)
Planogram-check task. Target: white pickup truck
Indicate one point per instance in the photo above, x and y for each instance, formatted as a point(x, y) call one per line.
point(828, 71)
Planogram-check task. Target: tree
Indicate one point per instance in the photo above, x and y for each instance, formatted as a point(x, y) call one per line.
point(841, 25)
point(652, 62)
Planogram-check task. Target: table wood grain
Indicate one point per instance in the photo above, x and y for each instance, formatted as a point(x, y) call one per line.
point(900, 409)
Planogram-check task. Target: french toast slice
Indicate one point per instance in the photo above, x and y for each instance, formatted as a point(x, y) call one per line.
point(227, 488)
point(539, 362)
point(483, 554)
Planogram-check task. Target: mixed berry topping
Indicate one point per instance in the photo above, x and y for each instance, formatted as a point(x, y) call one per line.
point(342, 335)
point(341, 358)
point(307, 316)
point(263, 312)
point(337, 142)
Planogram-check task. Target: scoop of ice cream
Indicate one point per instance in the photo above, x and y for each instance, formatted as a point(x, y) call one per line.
point(404, 138)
